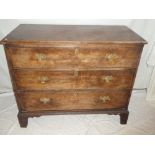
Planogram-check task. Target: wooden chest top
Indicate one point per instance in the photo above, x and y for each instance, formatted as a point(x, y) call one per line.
point(31, 33)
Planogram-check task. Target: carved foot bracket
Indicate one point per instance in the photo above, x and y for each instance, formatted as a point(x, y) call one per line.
point(23, 120)
point(124, 117)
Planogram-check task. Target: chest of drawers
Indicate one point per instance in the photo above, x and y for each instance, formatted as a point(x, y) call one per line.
point(64, 69)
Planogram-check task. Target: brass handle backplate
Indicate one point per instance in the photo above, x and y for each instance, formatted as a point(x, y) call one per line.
point(43, 79)
point(111, 57)
point(41, 56)
point(44, 100)
point(105, 99)
point(107, 79)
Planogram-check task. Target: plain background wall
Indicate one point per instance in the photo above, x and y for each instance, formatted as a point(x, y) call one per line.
point(143, 27)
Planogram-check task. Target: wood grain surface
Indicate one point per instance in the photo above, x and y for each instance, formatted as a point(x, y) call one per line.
point(58, 69)
point(73, 100)
point(75, 58)
point(48, 80)
point(31, 33)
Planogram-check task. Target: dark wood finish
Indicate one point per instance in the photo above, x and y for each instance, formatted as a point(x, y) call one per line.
point(72, 69)
point(75, 58)
point(23, 120)
point(74, 99)
point(75, 112)
point(27, 33)
point(124, 117)
point(92, 79)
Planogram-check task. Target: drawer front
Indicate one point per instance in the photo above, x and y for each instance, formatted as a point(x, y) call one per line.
point(73, 100)
point(42, 57)
point(70, 58)
point(118, 56)
point(47, 80)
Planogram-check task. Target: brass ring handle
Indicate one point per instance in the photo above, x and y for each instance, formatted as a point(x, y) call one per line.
point(105, 99)
point(44, 100)
point(41, 56)
point(111, 57)
point(43, 79)
point(107, 79)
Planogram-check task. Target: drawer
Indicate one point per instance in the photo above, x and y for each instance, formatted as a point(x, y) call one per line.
point(70, 58)
point(41, 57)
point(73, 100)
point(113, 56)
point(47, 80)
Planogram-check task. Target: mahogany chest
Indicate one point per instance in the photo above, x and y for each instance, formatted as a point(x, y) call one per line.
point(72, 69)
